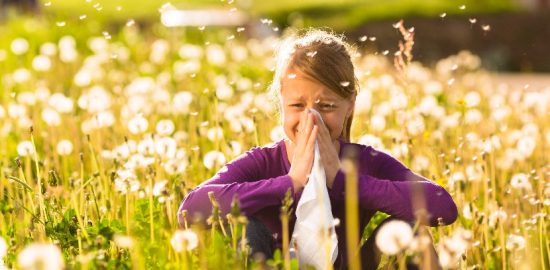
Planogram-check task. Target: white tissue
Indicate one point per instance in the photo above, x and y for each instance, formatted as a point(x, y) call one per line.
point(314, 232)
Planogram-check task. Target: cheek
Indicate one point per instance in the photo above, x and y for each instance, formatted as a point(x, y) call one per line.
point(290, 120)
point(334, 123)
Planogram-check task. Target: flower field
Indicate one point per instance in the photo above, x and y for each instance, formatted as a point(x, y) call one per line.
point(104, 131)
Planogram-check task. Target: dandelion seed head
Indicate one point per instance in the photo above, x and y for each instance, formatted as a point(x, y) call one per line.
point(19, 46)
point(515, 242)
point(123, 241)
point(138, 124)
point(520, 181)
point(394, 236)
point(213, 158)
point(25, 149)
point(64, 147)
point(3, 249)
point(40, 256)
point(165, 127)
point(184, 240)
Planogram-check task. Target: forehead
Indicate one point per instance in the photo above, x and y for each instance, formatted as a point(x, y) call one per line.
point(297, 85)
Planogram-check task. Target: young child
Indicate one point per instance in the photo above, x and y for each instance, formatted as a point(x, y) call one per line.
point(314, 70)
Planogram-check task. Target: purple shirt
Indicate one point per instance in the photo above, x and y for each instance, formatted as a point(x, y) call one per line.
point(259, 178)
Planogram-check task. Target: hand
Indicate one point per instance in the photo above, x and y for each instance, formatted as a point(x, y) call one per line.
point(303, 153)
point(328, 150)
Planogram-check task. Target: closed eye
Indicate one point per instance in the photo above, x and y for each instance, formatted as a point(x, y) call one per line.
point(327, 106)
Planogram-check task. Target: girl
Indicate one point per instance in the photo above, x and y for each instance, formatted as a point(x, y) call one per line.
point(315, 71)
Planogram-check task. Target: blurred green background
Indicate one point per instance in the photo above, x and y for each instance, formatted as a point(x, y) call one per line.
point(509, 35)
point(339, 14)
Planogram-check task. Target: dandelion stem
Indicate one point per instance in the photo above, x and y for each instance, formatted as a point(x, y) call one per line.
point(352, 213)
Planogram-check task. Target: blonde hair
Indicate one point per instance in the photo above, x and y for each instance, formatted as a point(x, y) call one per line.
point(323, 56)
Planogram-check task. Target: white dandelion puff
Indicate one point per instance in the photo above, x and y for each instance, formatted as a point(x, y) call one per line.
point(41, 63)
point(123, 241)
point(3, 249)
point(515, 242)
point(25, 148)
point(165, 127)
point(64, 147)
point(184, 240)
point(51, 117)
point(213, 158)
point(215, 134)
point(138, 124)
point(394, 236)
point(520, 181)
point(41, 256)
point(277, 133)
point(159, 187)
point(19, 46)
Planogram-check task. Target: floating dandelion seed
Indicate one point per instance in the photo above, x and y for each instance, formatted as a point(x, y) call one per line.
point(276, 29)
point(385, 52)
point(60, 24)
point(443, 15)
point(266, 21)
point(397, 24)
point(311, 54)
point(344, 83)
point(463, 7)
point(184, 240)
point(291, 76)
point(47, 4)
point(231, 37)
point(451, 81)
point(363, 38)
point(118, 8)
point(317, 101)
point(240, 29)
point(486, 27)
point(130, 22)
point(394, 236)
point(82, 17)
point(372, 38)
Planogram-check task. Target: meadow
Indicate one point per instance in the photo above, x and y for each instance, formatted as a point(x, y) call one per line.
point(104, 130)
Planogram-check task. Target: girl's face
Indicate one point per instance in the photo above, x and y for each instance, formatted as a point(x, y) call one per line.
point(299, 93)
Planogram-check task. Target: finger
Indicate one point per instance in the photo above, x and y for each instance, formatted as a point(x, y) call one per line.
point(300, 132)
point(312, 137)
point(309, 125)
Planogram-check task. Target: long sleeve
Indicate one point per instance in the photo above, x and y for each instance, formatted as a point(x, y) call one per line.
point(390, 187)
point(242, 177)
